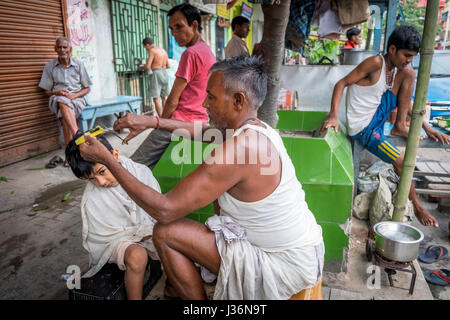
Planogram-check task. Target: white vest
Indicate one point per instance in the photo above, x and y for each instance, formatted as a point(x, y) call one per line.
point(282, 219)
point(362, 102)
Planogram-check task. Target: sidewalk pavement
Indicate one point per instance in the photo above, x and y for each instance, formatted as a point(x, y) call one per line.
point(40, 236)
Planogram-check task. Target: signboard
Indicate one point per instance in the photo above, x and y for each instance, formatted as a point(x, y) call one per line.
point(246, 11)
point(222, 11)
point(208, 8)
point(230, 4)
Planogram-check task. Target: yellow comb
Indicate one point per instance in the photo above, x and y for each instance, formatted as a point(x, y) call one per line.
point(93, 132)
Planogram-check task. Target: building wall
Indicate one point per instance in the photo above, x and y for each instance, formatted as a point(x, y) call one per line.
point(89, 23)
point(107, 82)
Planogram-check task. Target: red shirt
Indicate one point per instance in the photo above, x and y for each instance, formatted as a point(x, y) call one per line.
point(194, 67)
point(349, 44)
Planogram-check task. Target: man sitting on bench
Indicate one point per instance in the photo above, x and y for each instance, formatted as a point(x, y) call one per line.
point(66, 81)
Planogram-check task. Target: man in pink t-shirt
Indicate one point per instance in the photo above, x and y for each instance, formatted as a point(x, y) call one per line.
point(193, 68)
point(189, 88)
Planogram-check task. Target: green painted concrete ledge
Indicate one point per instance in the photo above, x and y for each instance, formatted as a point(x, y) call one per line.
point(323, 165)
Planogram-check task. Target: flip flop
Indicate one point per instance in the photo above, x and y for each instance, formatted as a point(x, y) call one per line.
point(56, 160)
point(440, 277)
point(433, 254)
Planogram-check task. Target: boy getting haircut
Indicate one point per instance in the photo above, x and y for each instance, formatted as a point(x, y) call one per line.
point(80, 167)
point(115, 229)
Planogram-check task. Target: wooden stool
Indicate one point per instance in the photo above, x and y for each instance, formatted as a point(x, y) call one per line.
point(314, 293)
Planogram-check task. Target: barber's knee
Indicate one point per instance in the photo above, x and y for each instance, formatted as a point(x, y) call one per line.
point(160, 233)
point(136, 258)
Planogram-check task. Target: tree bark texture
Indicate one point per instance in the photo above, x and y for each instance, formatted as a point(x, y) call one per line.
point(276, 17)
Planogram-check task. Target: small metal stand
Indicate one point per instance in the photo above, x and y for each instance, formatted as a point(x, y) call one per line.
point(390, 267)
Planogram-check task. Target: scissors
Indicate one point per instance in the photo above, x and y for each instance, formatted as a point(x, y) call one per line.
point(118, 116)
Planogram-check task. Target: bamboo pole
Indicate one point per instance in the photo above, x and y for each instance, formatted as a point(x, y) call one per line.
point(409, 162)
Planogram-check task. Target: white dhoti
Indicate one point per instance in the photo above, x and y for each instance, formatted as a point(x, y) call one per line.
point(271, 248)
point(248, 272)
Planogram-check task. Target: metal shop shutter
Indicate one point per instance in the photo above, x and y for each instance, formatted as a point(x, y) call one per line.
point(28, 29)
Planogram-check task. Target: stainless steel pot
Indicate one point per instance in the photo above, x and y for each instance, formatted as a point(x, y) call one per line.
point(397, 241)
point(354, 56)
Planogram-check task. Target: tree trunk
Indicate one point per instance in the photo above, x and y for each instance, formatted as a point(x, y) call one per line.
point(272, 45)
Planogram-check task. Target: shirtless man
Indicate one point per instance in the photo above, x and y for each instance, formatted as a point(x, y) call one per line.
point(157, 63)
point(375, 87)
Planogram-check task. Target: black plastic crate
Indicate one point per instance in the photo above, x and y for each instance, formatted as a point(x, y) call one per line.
point(108, 283)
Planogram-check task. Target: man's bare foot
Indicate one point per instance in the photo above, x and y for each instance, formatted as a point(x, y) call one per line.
point(425, 217)
point(400, 131)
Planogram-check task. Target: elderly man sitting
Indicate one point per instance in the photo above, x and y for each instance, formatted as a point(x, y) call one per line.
point(265, 243)
point(66, 81)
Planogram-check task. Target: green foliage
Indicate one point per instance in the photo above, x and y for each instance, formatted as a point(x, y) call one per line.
point(66, 196)
point(415, 16)
point(315, 50)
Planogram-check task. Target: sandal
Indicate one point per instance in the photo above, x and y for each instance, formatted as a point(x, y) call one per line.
point(440, 277)
point(55, 161)
point(433, 254)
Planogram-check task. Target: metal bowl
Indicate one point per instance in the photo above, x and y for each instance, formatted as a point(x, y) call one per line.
point(354, 56)
point(397, 241)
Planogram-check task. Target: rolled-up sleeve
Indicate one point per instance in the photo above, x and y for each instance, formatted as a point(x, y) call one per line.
point(46, 82)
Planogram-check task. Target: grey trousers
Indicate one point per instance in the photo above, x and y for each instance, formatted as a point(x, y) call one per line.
point(152, 149)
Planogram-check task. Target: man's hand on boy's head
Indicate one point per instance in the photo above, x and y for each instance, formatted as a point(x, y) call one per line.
point(136, 124)
point(94, 151)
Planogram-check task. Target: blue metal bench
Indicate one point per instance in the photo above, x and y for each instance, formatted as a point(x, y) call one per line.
point(108, 106)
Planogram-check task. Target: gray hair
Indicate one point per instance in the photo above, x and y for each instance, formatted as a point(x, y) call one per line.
point(62, 38)
point(244, 74)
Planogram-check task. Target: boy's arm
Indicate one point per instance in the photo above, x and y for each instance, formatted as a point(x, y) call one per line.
point(365, 68)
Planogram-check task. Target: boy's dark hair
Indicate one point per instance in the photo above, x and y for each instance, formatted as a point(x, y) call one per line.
point(239, 20)
point(147, 40)
point(405, 37)
point(80, 167)
point(190, 12)
point(352, 32)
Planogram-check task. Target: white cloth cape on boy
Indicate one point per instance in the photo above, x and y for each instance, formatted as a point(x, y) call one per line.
point(110, 216)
